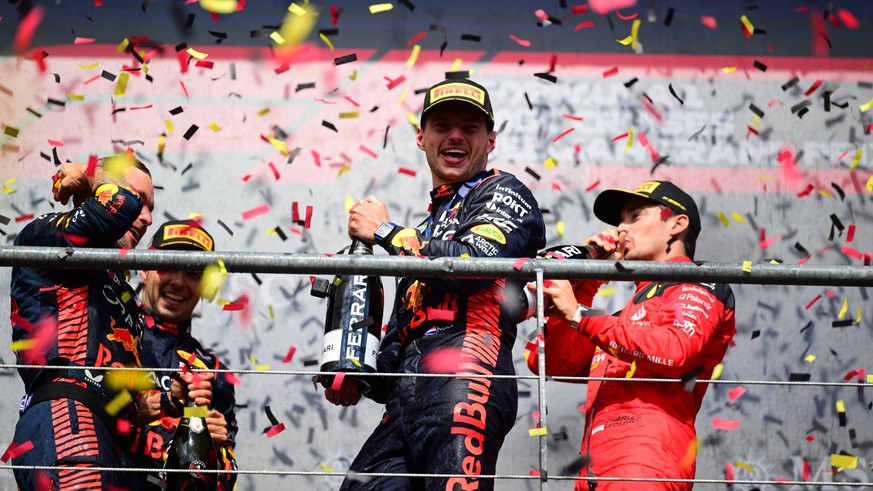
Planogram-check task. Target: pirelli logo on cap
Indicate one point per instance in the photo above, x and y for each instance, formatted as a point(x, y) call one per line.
point(456, 91)
point(187, 234)
point(648, 187)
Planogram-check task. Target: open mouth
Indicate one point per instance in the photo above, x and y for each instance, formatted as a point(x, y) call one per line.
point(454, 154)
point(172, 298)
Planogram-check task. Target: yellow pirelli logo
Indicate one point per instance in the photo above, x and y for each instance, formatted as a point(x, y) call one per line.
point(648, 187)
point(192, 233)
point(457, 90)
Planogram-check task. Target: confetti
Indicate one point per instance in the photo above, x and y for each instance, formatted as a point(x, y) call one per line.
point(219, 6)
point(15, 450)
point(380, 7)
point(342, 60)
point(521, 42)
point(725, 424)
point(537, 432)
point(27, 27)
point(736, 392)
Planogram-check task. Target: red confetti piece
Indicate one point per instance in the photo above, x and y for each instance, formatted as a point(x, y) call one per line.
point(92, 166)
point(446, 360)
point(233, 307)
point(367, 151)
point(852, 252)
point(182, 56)
point(408, 172)
point(136, 108)
point(604, 6)
point(547, 283)
point(55, 143)
point(338, 380)
point(644, 141)
point(736, 392)
point(417, 38)
point(541, 15)
point(848, 19)
point(395, 82)
point(619, 137)
point(725, 424)
point(440, 314)
point(123, 426)
point(79, 40)
point(612, 71)
point(279, 428)
point(184, 89)
point(708, 21)
point(122, 253)
point(15, 450)
point(557, 186)
point(519, 263)
point(806, 191)
point(352, 101)
point(98, 3)
point(729, 472)
point(812, 89)
point(23, 218)
point(290, 355)
point(21, 322)
point(274, 169)
point(521, 42)
point(308, 220)
point(574, 118)
point(534, 473)
point(831, 293)
point(813, 301)
point(593, 185)
point(841, 157)
point(295, 212)
point(579, 9)
point(27, 27)
point(317, 158)
point(255, 212)
point(850, 235)
point(296, 231)
point(810, 438)
point(626, 17)
point(92, 80)
point(583, 25)
point(562, 135)
point(205, 64)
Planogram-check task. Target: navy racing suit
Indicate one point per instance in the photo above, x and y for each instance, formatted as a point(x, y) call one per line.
point(171, 346)
point(451, 425)
point(75, 317)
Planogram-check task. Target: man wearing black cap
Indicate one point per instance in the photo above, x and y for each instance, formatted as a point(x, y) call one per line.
point(447, 425)
point(168, 300)
point(668, 330)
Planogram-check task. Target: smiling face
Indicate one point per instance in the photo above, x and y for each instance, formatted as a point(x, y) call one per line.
point(172, 295)
point(456, 142)
point(142, 184)
point(645, 230)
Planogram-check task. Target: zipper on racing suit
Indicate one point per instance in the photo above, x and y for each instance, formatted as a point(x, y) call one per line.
point(589, 418)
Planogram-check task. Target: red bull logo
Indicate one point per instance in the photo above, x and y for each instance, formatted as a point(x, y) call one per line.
point(124, 337)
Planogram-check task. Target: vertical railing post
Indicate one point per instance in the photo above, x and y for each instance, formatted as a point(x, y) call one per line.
point(541, 383)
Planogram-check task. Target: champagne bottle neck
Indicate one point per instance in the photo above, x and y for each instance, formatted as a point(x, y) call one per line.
point(359, 247)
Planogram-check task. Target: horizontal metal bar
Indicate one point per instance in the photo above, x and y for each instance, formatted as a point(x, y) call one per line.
point(383, 265)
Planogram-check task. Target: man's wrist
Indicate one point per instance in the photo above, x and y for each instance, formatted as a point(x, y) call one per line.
point(384, 232)
point(577, 316)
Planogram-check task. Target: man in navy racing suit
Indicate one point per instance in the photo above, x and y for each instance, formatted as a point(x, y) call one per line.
point(169, 299)
point(447, 425)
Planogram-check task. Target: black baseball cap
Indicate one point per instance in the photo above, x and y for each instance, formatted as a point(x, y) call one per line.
point(610, 203)
point(182, 234)
point(459, 89)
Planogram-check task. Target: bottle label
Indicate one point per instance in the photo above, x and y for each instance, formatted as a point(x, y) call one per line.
point(196, 425)
point(335, 350)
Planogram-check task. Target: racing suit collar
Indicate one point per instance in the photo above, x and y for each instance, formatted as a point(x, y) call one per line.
point(174, 328)
point(452, 188)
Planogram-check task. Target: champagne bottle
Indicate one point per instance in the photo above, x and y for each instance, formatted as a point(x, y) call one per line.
point(192, 448)
point(527, 302)
point(353, 323)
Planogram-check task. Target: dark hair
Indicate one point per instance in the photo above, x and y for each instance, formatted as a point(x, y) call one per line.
point(688, 236)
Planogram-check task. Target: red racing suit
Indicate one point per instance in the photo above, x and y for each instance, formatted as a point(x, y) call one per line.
point(644, 429)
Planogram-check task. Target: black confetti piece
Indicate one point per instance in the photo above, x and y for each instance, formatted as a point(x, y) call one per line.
point(697, 133)
point(280, 233)
point(225, 227)
point(310, 85)
point(853, 437)
point(755, 109)
point(444, 46)
point(842, 417)
point(669, 19)
point(458, 75)
point(843, 323)
point(471, 37)
point(385, 138)
point(826, 95)
point(4, 220)
point(839, 191)
point(760, 66)
point(55, 158)
point(363, 323)
point(108, 76)
point(756, 333)
point(273, 420)
point(532, 173)
point(187, 168)
point(256, 278)
point(800, 105)
point(342, 60)
point(310, 363)
point(56, 102)
point(622, 268)
point(329, 125)
point(294, 154)
point(791, 83)
point(631, 82)
point(799, 377)
point(527, 98)
point(547, 76)
point(807, 326)
point(218, 34)
point(233, 71)
point(188, 134)
point(801, 249)
point(673, 92)
point(409, 5)
point(32, 111)
point(333, 31)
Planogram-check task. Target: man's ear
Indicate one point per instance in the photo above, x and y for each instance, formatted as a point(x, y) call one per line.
point(419, 138)
point(492, 141)
point(679, 225)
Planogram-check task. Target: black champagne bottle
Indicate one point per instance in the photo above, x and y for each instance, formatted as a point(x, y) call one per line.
point(192, 448)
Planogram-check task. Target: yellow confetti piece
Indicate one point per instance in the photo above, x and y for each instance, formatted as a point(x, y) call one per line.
point(456, 65)
point(633, 369)
point(843, 309)
point(870, 378)
point(277, 38)
point(858, 320)
point(635, 30)
point(129, 380)
point(270, 309)
point(724, 219)
point(214, 127)
point(746, 467)
point(260, 368)
point(606, 291)
point(402, 96)
point(630, 139)
point(841, 406)
point(350, 115)
point(716, 372)
point(219, 6)
point(169, 125)
point(866, 106)
point(195, 412)
point(296, 9)
point(809, 359)
point(773, 261)
point(349, 202)
point(264, 111)
point(538, 432)
point(550, 163)
point(122, 45)
point(6, 188)
point(121, 85)
point(729, 69)
point(325, 467)
point(118, 403)
point(325, 40)
point(739, 218)
point(756, 121)
point(869, 185)
point(413, 57)
point(343, 170)
point(825, 193)
point(747, 23)
point(747, 267)
point(559, 228)
point(844, 461)
point(626, 41)
point(196, 54)
point(465, 255)
point(413, 120)
point(22, 345)
point(355, 361)
point(353, 76)
point(856, 159)
point(278, 145)
point(194, 215)
point(76, 97)
point(89, 67)
point(690, 454)
point(214, 276)
point(380, 7)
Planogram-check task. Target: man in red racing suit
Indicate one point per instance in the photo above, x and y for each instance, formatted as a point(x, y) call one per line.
point(675, 330)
